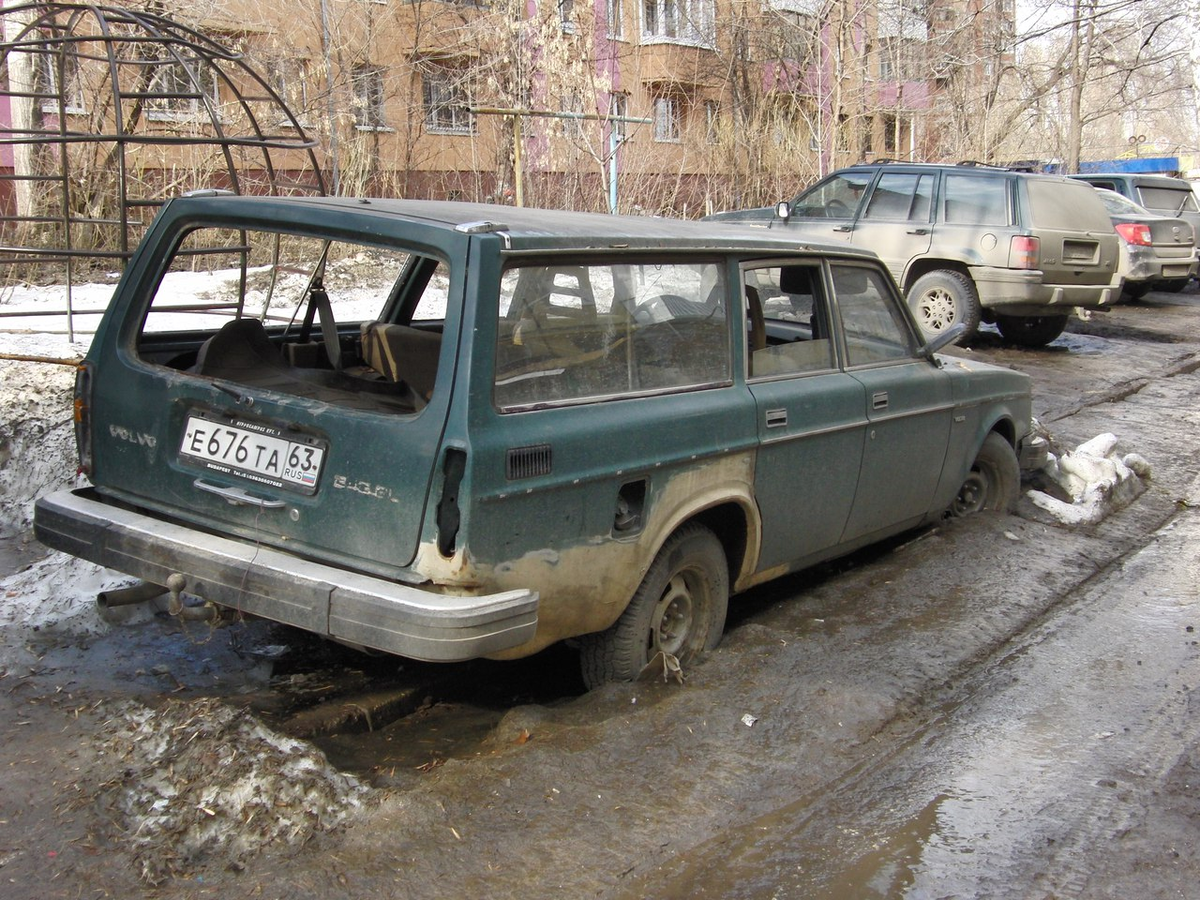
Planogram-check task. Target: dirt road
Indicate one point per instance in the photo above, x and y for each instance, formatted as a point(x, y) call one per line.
point(997, 707)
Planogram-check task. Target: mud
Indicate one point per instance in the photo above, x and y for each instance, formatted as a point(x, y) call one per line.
point(1001, 706)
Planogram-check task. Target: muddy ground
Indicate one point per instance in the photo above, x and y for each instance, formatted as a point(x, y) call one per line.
point(1002, 706)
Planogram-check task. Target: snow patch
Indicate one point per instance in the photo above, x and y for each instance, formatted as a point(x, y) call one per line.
point(1098, 479)
point(205, 783)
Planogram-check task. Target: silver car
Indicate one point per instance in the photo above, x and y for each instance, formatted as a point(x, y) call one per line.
point(1154, 248)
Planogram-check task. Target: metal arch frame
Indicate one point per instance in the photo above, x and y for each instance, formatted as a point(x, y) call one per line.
point(60, 29)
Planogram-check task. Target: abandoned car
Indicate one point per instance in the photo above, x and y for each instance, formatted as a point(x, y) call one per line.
point(449, 431)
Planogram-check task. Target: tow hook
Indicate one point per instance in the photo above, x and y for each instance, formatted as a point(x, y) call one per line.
point(207, 612)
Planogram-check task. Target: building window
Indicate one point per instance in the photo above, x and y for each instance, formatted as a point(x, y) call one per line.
point(668, 119)
point(291, 83)
point(566, 15)
point(616, 17)
point(618, 108)
point(181, 90)
point(49, 61)
point(712, 121)
point(368, 97)
point(684, 21)
point(447, 103)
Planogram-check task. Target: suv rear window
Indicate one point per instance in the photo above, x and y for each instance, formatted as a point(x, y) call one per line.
point(1174, 200)
point(1066, 206)
point(570, 333)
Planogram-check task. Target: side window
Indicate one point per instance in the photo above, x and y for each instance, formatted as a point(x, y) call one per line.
point(975, 200)
point(901, 197)
point(568, 334)
point(788, 331)
point(875, 328)
point(837, 197)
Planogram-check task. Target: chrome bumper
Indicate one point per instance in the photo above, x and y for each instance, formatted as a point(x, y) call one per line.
point(262, 581)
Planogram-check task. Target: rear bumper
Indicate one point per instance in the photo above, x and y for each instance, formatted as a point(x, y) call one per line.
point(261, 581)
point(1022, 291)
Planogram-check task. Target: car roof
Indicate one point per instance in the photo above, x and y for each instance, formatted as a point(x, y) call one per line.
point(531, 229)
point(962, 167)
point(1162, 180)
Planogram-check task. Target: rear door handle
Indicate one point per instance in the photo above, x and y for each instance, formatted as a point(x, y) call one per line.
point(879, 400)
point(237, 496)
point(919, 231)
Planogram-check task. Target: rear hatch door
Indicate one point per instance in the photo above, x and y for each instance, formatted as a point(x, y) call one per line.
point(1078, 243)
point(218, 404)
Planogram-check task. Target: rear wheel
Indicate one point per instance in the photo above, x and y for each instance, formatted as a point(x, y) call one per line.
point(678, 609)
point(943, 298)
point(993, 482)
point(1031, 331)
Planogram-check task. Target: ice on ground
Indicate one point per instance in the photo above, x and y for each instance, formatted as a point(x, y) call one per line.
point(205, 783)
point(1097, 477)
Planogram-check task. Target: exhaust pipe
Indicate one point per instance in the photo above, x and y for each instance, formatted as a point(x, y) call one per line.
point(145, 591)
point(128, 596)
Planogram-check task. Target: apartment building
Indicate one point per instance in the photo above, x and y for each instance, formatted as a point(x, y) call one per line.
point(674, 106)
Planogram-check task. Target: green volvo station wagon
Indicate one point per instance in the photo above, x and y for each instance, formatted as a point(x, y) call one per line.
point(450, 431)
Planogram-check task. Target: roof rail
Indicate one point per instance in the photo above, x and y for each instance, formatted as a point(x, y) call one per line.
point(976, 164)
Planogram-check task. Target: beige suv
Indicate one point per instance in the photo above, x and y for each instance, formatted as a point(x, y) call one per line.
point(967, 243)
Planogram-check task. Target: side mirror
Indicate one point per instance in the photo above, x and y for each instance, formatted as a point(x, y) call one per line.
point(945, 339)
point(783, 210)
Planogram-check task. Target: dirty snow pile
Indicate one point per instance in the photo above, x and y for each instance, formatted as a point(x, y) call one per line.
point(54, 595)
point(205, 783)
point(1098, 479)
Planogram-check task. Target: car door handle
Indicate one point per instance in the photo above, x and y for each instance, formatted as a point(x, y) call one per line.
point(237, 496)
point(919, 231)
point(879, 400)
point(776, 418)
point(842, 229)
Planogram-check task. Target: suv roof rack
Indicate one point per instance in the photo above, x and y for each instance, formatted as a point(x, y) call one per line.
point(976, 164)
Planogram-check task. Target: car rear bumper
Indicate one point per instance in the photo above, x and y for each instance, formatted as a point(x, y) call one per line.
point(1147, 264)
point(262, 581)
point(1022, 291)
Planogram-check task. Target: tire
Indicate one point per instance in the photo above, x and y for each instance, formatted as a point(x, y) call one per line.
point(1135, 291)
point(993, 482)
point(679, 608)
point(943, 298)
point(1031, 331)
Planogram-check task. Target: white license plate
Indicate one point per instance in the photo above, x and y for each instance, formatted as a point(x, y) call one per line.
point(257, 452)
point(1176, 271)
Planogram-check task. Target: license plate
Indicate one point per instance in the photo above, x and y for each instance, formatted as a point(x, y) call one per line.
point(254, 451)
point(1176, 271)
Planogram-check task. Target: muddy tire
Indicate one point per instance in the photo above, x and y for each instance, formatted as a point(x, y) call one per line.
point(1031, 331)
point(993, 482)
point(679, 608)
point(944, 298)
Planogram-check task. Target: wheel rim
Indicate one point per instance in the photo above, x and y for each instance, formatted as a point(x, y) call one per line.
point(938, 310)
point(972, 496)
point(674, 619)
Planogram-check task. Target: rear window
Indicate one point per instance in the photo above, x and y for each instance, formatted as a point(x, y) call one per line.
point(1066, 206)
point(573, 333)
point(337, 321)
point(1168, 200)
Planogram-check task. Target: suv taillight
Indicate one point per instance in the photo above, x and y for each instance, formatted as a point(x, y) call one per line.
point(1135, 233)
point(1023, 252)
point(83, 418)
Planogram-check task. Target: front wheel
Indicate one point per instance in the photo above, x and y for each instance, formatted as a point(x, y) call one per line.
point(993, 482)
point(943, 298)
point(1031, 331)
point(678, 609)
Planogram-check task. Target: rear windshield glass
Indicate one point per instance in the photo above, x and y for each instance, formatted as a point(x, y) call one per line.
point(336, 321)
point(1066, 206)
point(1168, 200)
point(570, 333)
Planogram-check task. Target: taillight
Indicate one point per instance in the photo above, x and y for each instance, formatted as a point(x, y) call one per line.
point(1135, 233)
point(83, 418)
point(1023, 252)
